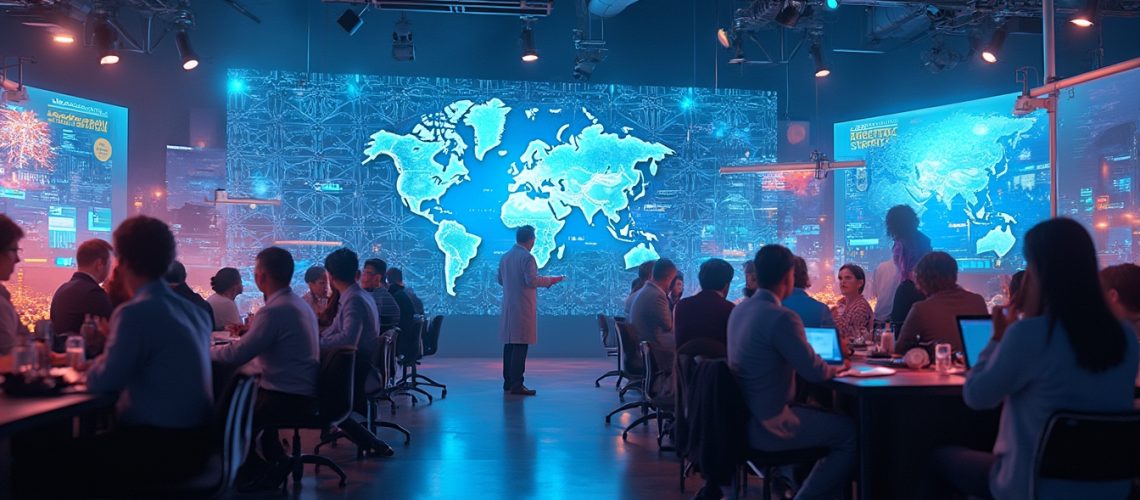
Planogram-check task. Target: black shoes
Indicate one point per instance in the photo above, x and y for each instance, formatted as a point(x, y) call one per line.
point(523, 391)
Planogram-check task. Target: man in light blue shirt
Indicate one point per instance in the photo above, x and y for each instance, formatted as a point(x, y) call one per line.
point(283, 338)
point(767, 348)
point(157, 359)
point(356, 324)
point(813, 313)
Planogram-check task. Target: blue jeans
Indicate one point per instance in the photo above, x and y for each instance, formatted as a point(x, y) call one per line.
point(818, 429)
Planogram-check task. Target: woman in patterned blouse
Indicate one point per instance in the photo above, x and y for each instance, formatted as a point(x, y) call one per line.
point(853, 314)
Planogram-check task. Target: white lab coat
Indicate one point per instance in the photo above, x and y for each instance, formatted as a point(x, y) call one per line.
point(518, 274)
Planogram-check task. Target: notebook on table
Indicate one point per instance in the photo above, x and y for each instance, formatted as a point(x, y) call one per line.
point(976, 332)
point(825, 343)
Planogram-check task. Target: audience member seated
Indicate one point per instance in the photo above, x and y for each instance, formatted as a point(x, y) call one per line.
point(176, 278)
point(356, 324)
point(318, 295)
point(935, 318)
point(767, 348)
point(117, 290)
point(650, 313)
point(812, 313)
point(227, 286)
point(853, 315)
point(1014, 288)
point(644, 272)
point(157, 359)
point(910, 246)
point(1121, 285)
point(676, 290)
point(1067, 352)
point(283, 338)
point(372, 281)
point(82, 297)
point(750, 285)
point(705, 315)
point(408, 344)
point(10, 326)
point(884, 282)
point(396, 279)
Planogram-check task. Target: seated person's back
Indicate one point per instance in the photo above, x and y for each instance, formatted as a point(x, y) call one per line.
point(82, 295)
point(650, 313)
point(812, 313)
point(705, 315)
point(934, 319)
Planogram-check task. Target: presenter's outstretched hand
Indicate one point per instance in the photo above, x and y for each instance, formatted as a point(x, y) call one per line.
point(557, 280)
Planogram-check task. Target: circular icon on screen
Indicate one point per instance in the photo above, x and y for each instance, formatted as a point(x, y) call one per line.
point(102, 149)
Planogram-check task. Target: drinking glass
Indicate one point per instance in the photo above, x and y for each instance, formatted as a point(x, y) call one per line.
point(76, 352)
point(23, 358)
point(942, 358)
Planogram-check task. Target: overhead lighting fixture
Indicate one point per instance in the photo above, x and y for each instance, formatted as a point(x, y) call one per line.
point(189, 58)
point(529, 53)
point(724, 38)
point(817, 57)
point(402, 46)
point(350, 21)
point(833, 4)
point(106, 41)
point(791, 12)
point(63, 37)
point(1086, 16)
point(991, 50)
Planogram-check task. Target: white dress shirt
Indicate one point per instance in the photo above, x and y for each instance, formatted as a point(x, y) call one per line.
point(225, 311)
point(283, 337)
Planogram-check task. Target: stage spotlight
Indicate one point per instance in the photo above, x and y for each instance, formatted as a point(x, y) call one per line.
point(350, 21)
point(1086, 16)
point(833, 4)
point(724, 38)
point(529, 53)
point(189, 58)
point(791, 12)
point(990, 51)
point(105, 42)
point(402, 46)
point(63, 37)
point(817, 57)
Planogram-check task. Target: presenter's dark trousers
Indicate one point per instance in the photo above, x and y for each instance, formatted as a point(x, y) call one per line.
point(514, 364)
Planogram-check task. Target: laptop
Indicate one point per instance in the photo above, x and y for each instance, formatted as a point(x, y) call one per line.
point(825, 343)
point(976, 332)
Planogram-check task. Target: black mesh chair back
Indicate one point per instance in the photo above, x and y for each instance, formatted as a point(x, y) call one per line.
point(410, 346)
point(384, 358)
point(431, 336)
point(335, 383)
point(604, 332)
point(1094, 447)
point(627, 343)
point(236, 422)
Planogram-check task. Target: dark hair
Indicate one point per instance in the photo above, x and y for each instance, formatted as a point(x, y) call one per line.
point(314, 274)
point(277, 262)
point(395, 275)
point(92, 251)
point(342, 265)
point(524, 234)
point(1015, 284)
point(857, 272)
point(225, 279)
point(645, 270)
point(908, 251)
point(1063, 259)
point(145, 246)
point(715, 274)
point(10, 232)
point(1125, 279)
point(636, 284)
point(772, 264)
point(176, 274)
point(937, 271)
point(379, 267)
point(901, 222)
point(662, 268)
point(801, 274)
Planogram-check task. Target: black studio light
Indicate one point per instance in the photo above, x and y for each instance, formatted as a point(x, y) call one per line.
point(402, 47)
point(106, 42)
point(529, 52)
point(185, 51)
point(350, 21)
point(991, 50)
point(791, 12)
point(1087, 15)
point(821, 69)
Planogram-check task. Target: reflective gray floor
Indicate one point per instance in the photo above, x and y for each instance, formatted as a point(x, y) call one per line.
point(480, 443)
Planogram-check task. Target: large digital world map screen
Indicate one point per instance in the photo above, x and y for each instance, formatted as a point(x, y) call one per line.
point(977, 175)
point(434, 175)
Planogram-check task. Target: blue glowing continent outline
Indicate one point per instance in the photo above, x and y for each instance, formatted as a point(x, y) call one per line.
point(459, 248)
point(488, 121)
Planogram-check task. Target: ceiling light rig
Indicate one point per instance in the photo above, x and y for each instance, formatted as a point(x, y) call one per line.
point(182, 42)
point(821, 69)
point(526, 38)
point(1086, 16)
point(106, 41)
point(991, 50)
point(403, 48)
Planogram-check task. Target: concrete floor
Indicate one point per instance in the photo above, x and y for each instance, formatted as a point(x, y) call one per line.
point(479, 443)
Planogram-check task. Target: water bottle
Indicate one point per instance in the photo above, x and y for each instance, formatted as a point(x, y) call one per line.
point(76, 351)
point(88, 330)
point(942, 358)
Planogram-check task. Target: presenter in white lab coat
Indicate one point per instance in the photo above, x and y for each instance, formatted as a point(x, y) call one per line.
point(518, 325)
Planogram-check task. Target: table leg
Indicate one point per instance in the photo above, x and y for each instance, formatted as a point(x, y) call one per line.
point(866, 453)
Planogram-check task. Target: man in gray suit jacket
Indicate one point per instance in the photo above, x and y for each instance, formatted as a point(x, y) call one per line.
point(518, 324)
point(651, 316)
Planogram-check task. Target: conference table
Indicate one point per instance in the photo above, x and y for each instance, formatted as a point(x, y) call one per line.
point(28, 413)
point(900, 419)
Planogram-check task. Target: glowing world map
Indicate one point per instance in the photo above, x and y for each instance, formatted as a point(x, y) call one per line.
point(589, 171)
